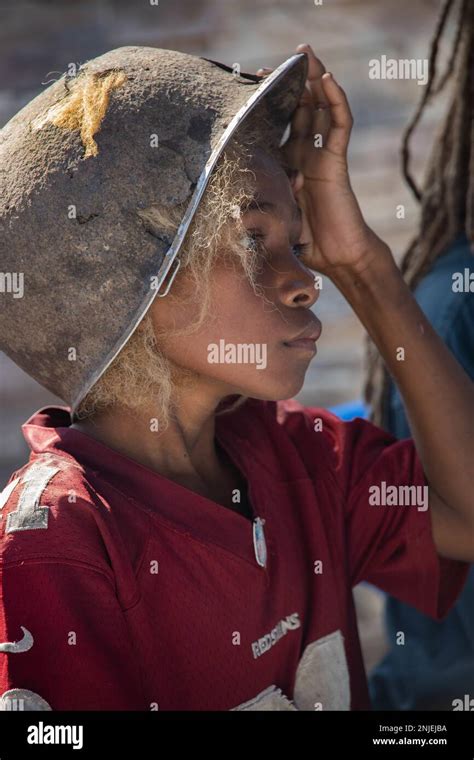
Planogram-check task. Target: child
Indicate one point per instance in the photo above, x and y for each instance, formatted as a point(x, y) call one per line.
point(182, 538)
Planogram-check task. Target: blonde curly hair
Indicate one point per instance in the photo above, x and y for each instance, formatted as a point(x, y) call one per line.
point(141, 374)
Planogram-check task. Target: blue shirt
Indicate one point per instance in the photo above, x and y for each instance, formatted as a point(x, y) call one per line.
point(436, 663)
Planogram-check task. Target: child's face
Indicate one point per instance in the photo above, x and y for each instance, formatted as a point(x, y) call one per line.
point(244, 329)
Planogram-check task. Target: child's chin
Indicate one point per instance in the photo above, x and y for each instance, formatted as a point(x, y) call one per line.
point(278, 391)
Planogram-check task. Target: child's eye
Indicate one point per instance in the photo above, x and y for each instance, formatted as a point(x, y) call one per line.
point(256, 242)
point(299, 249)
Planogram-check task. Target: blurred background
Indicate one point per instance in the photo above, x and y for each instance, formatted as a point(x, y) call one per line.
point(39, 40)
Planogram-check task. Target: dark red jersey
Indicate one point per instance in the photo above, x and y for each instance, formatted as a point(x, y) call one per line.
point(122, 590)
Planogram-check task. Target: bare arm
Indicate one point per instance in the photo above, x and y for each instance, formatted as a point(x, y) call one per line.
point(438, 394)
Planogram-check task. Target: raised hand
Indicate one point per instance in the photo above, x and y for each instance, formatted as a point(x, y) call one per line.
point(317, 152)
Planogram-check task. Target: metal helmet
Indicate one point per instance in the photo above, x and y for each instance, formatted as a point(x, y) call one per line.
point(136, 126)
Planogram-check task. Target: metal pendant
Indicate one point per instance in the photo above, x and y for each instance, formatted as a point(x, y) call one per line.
point(259, 542)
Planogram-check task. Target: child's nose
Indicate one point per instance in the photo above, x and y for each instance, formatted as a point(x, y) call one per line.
point(301, 290)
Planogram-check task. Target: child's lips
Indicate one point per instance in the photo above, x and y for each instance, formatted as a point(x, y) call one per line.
point(308, 344)
point(307, 338)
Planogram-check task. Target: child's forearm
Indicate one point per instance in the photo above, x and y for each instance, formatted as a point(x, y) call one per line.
point(438, 394)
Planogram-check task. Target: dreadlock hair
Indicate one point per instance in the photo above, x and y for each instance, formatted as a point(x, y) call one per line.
point(447, 198)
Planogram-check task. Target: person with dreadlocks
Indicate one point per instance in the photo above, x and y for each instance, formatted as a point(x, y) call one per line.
point(435, 667)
